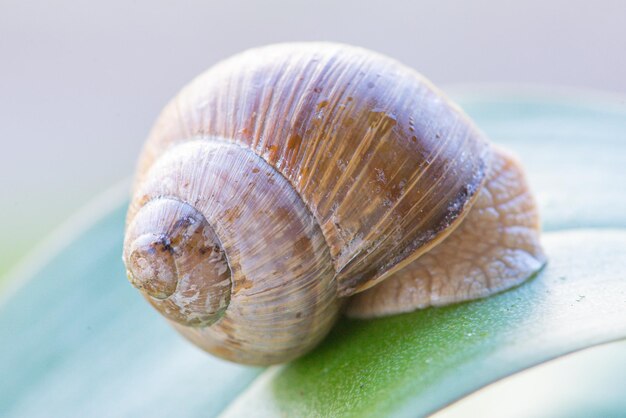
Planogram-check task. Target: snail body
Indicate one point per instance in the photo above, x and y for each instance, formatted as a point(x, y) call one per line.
point(288, 178)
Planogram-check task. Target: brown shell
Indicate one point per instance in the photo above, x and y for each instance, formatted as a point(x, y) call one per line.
point(370, 166)
point(381, 158)
point(282, 290)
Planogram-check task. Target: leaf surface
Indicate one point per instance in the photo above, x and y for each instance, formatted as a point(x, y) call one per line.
point(78, 340)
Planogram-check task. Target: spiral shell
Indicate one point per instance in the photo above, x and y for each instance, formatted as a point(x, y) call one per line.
point(286, 178)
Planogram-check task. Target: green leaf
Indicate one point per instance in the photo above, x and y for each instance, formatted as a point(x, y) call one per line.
point(414, 364)
point(78, 340)
point(582, 384)
point(82, 343)
point(573, 149)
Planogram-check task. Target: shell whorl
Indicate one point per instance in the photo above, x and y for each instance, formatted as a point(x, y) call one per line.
point(281, 285)
point(320, 169)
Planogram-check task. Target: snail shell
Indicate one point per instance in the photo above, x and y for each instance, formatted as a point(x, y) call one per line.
point(289, 177)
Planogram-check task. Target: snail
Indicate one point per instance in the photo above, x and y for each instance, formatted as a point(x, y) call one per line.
point(294, 182)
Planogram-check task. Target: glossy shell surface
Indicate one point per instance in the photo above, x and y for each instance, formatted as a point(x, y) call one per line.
point(380, 157)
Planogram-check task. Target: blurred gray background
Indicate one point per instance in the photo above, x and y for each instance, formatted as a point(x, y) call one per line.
point(81, 82)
